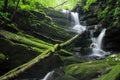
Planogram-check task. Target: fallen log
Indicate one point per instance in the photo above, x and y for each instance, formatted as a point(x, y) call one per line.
point(68, 42)
point(46, 53)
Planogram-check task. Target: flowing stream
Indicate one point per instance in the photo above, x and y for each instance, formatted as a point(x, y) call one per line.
point(54, 74)
point(77, 26)
point(96, 44)
point(48, 75)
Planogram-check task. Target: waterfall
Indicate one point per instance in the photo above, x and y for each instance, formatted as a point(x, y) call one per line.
point(75, 18)
point(77, 26)
point(48, 75)
point(65, 11)
point(54, 74)
point(97, 43)
point(100, 38)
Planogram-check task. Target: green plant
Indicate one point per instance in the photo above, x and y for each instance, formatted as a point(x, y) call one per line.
point(103, 13)
point(88, 3)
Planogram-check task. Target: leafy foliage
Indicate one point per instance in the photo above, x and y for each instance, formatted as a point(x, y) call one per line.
point(88, 3)
point(103, 13)
point(4, 14)
point(37, 4)
point(1, 4)
point(112, 9)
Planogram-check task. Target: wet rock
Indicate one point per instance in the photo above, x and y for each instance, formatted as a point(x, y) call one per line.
point(85, 51)
point(72, 60)
point(84, 40)
point(55, 74)
point(91, 21)
point(40, 69)
point(112, 39)
point(92, 69)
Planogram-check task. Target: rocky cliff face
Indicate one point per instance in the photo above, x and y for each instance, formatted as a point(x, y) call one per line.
point(105, 13)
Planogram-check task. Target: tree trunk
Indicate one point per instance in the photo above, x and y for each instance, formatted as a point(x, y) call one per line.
point(15, 10)
point(5, 5)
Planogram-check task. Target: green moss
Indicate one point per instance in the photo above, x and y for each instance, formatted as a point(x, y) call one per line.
point(67, 77)
point(16, 54)
point(2, 57)
point(65, 52)
point(12, 26)
point(113, 74)
point(104, 13)
point(88, 3)
point(87, 70)
point(39, 22)
point(22, 39)
point(33, 38)
point(4, 16)
point(70, 60)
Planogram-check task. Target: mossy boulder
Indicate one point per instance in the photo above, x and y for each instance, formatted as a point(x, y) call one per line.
point(93, 69)
point(114, 74)
point(60, 19)
point(38, 22)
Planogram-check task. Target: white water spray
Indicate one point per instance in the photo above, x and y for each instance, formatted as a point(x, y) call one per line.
point(77, 26)
point(48, 75)
point(100, 38)
point(65, 11)
point(97, 44)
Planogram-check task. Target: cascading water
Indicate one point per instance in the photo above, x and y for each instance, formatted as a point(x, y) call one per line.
point(54, 74)
point(100, 38)
point(77, 26)
point(48, 76)
point(66, 12)
point(96, 44)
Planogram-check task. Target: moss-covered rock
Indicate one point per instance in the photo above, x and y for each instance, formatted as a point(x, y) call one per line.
point(58, 17)
point(71, 60)
point(40, 69)
point(38, 22)
point(105, 13)
point(111, 39)
point(114, 74)
point(92, 69)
